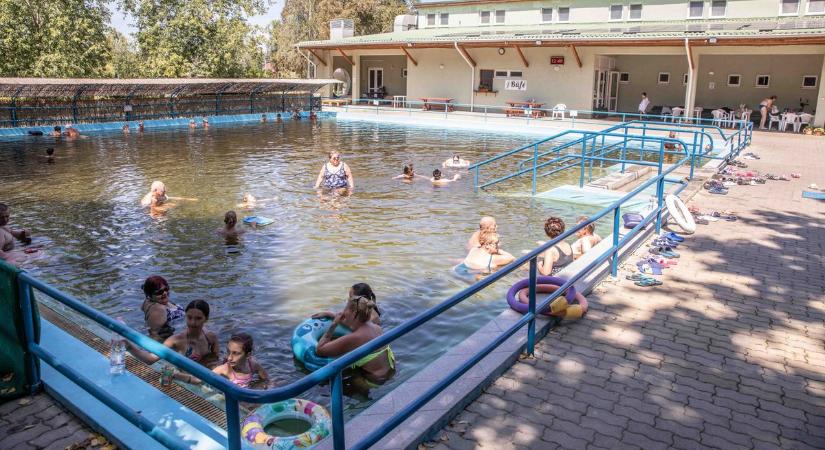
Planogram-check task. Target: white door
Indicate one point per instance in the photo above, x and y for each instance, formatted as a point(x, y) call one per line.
point(599, 85)
point(376, 78)
point(612, 93)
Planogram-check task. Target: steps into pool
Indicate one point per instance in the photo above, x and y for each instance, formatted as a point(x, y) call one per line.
point(593, 196)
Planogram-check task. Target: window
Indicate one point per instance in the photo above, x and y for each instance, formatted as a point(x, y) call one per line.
point(809, 82)
point(718, 7)
point(515, 74)
point(789, 8)
point(635, 12)
point(508, 73)
point(664, 77)
point(685, 80)
point(501, 74)
point(546, 14)
point(445, 19)
point(816, 6)
point(734, 80)
point(624, 77)
point(564, 13)
point(763, 81)
point(430, 20)
point(403, 73)
point(485, 80)
point(696, 10)
point(485, 17)
point(500, 16)
point(616, 12)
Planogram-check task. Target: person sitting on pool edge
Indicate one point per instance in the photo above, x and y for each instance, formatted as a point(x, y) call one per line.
point(557, 256)
point(230, 230)
point(587, 238)
point(436, 180)
point(487, 256)
point(263, 118)
point(335, 174)
point(377, 367)
point(278, 118)
point(456, 162)
point(192, 123)
point(357, 290)
point(296, 115)
point(487, 224)
point(240, 367)
point(160, 315)
point(8, 235)
point(195, 342)
point(57, 132)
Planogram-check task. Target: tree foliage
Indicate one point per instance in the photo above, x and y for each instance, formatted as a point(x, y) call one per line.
point(197, 38)
point(46, 38)
point(305, 20)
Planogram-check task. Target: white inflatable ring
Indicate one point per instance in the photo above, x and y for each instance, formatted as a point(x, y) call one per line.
point(253, 426)
point(453, 165)
point(677, 209)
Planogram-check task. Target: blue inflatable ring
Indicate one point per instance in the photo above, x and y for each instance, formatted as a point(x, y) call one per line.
point(305, 339)
point(516, 305)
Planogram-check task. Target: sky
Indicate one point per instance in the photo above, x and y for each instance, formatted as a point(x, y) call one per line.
point(125, 25)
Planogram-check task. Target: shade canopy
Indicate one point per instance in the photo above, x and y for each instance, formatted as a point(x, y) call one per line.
point(154, 87)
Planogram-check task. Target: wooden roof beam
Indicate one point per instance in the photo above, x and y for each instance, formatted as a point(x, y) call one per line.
point(409, 56)
point(464, 52)
point(521, 54)
point(576, 55)
point(348, 58)
point(318, 57)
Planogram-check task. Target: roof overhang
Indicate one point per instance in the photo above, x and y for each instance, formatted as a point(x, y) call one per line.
point(95, 87)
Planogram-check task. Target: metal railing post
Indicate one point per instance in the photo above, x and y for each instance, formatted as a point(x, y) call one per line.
point(693, 152)
point(28, 329)
point(233, 423)
point(531, 308)
point(624, 148)
point(475, 179)
point(614, 264)
point(660, 192)
point(535, 165)
point(337, 405)
point(581, 175)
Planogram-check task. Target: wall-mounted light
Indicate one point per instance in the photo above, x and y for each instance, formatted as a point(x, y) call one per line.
point(538, 43)
point(711, 73)
point(441, 66)
point(501, 50)
point(712, 40)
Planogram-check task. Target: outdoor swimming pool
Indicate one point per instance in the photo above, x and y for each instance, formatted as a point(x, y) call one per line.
point(400, 238)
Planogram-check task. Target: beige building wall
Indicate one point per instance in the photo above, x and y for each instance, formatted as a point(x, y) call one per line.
point(643, 72)
point(393, 67)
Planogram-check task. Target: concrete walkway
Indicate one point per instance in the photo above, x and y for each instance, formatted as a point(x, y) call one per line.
point(727, 354)
point(39, 422)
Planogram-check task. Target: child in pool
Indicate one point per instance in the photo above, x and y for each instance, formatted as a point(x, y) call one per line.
point(9, 235)
point(240, 368)
point(409, 174)
point(436, 180)
point(230, 229)
point(587, 238)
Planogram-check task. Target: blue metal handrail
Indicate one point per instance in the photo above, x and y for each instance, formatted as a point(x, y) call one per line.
point(333, 371)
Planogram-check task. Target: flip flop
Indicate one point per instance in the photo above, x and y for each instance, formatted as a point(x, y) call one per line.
point(648, 283)
point(647, 268)
point(718, 191)
point(674, 237)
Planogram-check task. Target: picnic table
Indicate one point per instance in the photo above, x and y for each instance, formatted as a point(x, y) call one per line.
point(335, 102)
point(429, 102)
point(521, 108)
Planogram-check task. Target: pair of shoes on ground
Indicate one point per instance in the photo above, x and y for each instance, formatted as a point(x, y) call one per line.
point(771, 176)
point(739, 164)
point(644, 280)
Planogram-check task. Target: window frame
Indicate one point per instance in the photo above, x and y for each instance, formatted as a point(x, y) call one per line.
point(756, 81)
point(815, 13)
point(558, 14)
point(684, 79)
point(508, 74)
point(552, 15)
point(627, 77)
point(738, 82)
point(796, 13)
point(610, 12)
point(481, 18)
point(710, 10)
point(503, 16)
point(700, 16)
point(659, 78)
point(630, 11)
point(441, 18)
point(433, 16)
point(816, 81)
point(520, 74)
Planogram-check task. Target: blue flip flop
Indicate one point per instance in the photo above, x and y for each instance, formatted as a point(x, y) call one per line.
point(673, 237)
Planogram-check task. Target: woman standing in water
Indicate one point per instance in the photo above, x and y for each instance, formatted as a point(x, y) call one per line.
point(160, 315)
point(335, 174)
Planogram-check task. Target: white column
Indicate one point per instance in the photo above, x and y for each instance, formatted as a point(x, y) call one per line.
point(356, 78)
point(693, 72)
point(819, 118)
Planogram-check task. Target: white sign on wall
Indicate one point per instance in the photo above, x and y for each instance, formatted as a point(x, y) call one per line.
point(515, 85)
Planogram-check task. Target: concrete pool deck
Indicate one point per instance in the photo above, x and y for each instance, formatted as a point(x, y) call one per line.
point(728, 353)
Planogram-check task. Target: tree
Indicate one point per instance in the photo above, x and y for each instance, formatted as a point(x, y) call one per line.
point(45, 38)
point(307, 20)
point(124, 61)
point(197, 38)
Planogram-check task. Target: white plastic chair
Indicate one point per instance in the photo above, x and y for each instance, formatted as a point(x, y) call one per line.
point(558, 111)
point(666, 112)
point(746, 116)
point(697, 113)
point(678, 113)
point(720, 117)
point(788, 118)
point(804, 119)
point(774, 118)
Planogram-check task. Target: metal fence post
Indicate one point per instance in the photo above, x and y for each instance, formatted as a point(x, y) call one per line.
point(233, 423)
point(475, 179)
point(535, 165)
point(614, 264)
point(581, 175)
point(338, 441)
point(26, 309)
point(531, 308)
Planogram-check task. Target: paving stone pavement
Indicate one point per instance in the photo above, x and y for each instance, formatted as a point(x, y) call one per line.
point(727, 354)
point(39, 422)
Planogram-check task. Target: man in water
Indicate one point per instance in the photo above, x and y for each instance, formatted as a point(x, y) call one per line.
point(487, 224)
point(436, 180)
point(7, 235)
point(57, 132)
point(50, 155)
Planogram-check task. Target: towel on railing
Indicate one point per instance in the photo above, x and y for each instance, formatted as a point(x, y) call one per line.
point(15, 377)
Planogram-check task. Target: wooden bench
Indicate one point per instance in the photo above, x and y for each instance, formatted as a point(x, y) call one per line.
point(335, 102)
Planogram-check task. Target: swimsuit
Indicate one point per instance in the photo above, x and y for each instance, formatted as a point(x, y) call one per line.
point(367, 359)
point(335, 180)
point(174, 317)
point(564, 259)
point(192, 354)
point(242, 380)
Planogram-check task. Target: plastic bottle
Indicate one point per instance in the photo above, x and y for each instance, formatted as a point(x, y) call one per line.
point(117, 354)
point(166, 375)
